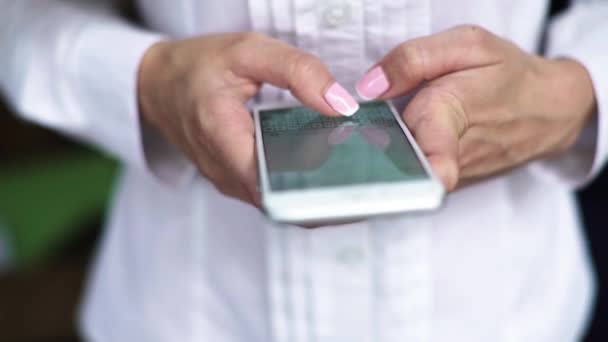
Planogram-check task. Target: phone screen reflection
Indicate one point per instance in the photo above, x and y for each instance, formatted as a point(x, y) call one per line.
point(306, 150)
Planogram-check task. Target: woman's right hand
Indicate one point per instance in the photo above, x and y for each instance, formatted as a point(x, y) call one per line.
point(194, 91)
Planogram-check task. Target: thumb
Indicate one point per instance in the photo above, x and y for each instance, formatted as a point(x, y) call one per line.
point(437, 121)
point(424, 59)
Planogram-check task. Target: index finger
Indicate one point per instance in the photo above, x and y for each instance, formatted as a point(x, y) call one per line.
point(285, 66)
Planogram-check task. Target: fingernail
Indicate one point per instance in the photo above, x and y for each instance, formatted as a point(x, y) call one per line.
point(340, 100)
point(373, 84)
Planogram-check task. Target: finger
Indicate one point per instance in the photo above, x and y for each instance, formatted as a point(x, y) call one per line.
point(269, 60)
point(230, 138)
point(414, 62)
point(235, 192)
point(225, 182)
point(436, 120)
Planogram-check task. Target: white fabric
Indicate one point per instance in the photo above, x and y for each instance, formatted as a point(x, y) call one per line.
point(503, 261)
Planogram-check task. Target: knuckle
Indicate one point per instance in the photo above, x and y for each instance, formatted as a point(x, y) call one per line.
point(245, 43)
point(447, 102)
point(477, 37)
point(474, 33)
point(421, 124)
point(412, 61)
point(249, 38)
point(303, 66)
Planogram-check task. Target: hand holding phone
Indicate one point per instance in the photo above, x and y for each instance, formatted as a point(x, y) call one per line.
point(193, 92)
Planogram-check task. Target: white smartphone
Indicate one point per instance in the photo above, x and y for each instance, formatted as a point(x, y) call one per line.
point(317, 169)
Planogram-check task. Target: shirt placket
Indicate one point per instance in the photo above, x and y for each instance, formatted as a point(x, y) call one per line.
point(272, 17)
point(342, 284)
point(401, 246)
point(402, 309)
point(340, 279)
point(348, 283)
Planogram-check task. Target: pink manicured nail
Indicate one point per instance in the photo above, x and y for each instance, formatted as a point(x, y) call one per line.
point(373, 84)
point(340, 100)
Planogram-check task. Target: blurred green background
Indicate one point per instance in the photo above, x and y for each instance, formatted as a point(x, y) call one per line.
point(44, 200)
point(48, 188)
point(53, 197)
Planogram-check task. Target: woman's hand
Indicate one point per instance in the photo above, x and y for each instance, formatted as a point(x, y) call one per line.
point(484, 106)
point(194, 92)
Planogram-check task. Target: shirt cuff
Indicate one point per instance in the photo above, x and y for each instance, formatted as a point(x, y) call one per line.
point(576, 36)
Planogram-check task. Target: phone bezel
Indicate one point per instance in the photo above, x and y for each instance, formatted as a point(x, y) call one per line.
point(339, 203)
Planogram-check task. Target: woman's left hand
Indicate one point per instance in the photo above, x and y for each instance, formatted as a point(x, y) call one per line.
point(483, 105)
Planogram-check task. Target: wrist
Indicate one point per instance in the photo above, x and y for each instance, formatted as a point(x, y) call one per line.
point(568, 94)
point(148, 76)
point(572, 81)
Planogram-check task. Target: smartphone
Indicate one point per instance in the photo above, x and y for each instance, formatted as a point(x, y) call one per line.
point(316, 169)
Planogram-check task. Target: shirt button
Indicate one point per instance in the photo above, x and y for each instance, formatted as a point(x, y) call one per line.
point(350, 255)
point(336, 14)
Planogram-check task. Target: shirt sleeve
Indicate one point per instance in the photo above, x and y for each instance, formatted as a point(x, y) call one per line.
point(74, 69)
point(580, 33)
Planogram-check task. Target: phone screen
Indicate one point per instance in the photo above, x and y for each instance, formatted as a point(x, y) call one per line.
point(305, 149)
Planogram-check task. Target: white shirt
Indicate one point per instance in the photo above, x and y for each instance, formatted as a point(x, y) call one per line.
point(503, 261)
